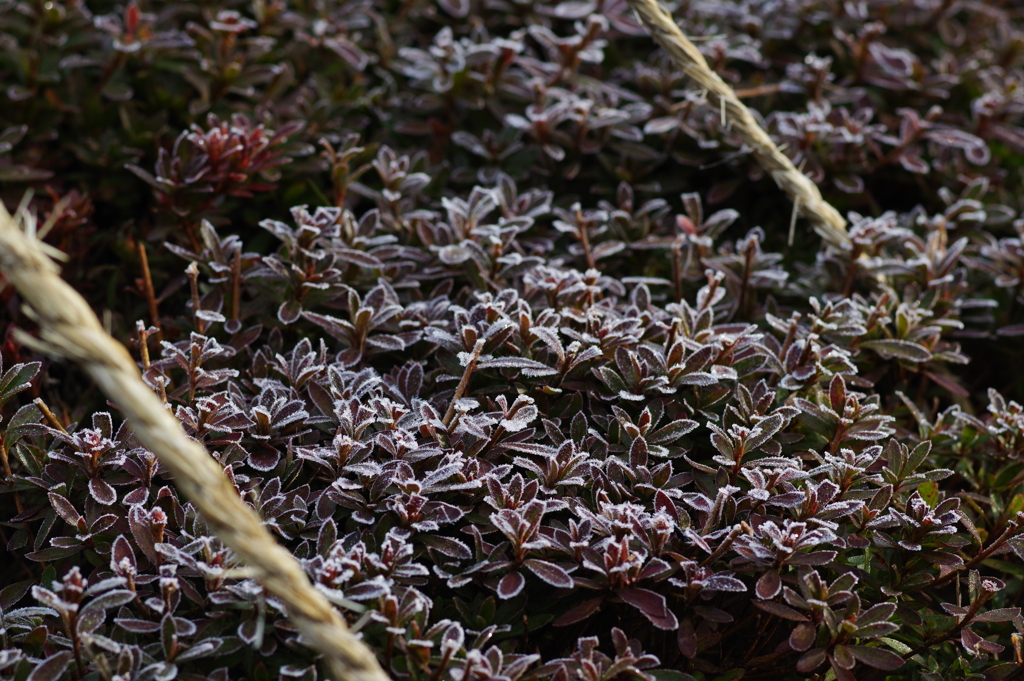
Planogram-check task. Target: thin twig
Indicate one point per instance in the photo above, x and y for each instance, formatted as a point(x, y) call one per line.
point(826, 220)
point(585, 239)
point(50, 417)
point(148, 291)
point(69, 328)
point(143, 344)
point(464, 383)
point(983, 555)
point(162, 383)
point(193, 279)
point(736, 531)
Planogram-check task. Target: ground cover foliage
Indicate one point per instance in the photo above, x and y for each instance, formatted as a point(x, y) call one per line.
point(492, 320)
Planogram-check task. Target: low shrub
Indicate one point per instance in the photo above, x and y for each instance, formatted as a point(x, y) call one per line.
point(501, 333)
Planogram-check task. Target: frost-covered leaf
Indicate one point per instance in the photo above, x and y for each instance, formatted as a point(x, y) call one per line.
point(899, 349)
point(511, 585)
point(52, 667)
point(553, 574)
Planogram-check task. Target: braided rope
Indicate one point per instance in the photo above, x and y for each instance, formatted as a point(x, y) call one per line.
point(806, 198)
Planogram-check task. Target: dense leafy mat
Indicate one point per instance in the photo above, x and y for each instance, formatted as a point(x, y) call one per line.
point(498, 328)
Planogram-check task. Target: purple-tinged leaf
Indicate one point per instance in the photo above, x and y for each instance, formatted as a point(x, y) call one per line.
point(672, 432)
point(137, 626)
point(289, 312)
point(914, 163)
point(769, 585)
point(842, 659)
point(386, 342)
point(67, 511)
point(510, 585)
point(698, 501)
point(849, 183)
point(787, 499)
point(658, 126)
point(337, 328)
point(54, 553)
point(52, 667)
point(122, 556)
point(368, 590)
point(49, 599)
point(65, 542)
point(263, 458)
point(442, 513)
point(251, 631)
point(112, 599)
point(102, 492)
point(812, 557)
point(529, 367)
point(1011, 330)
point(952, 137)
point(607, 249)
point(652, 605)
point(454, 637)
point(452, 548)
point(12, 593)
point(638, 452)
point(139, 521)
point(780, 610)
point(686, 639)
point(802, 637)
point(876, 613)
point(811, 660)
point(169, 635)
point(997, 615)
point(145, 176)
point(877, 629)
point(663, 502)
point(326, 537)
point(139, 495)
point(970, 640)
point(552, 574)
point(89, 620)
point(357, 258)
point(879, 658)
point(723, 582)
point(899, 349)
point(656, 569)
point(200, 650)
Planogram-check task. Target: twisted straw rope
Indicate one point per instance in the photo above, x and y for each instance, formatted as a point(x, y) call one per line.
point(807, 199)
point(69, 328)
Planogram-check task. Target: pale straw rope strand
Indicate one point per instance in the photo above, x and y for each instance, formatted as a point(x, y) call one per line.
point(826, 220)
point(69, 328)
